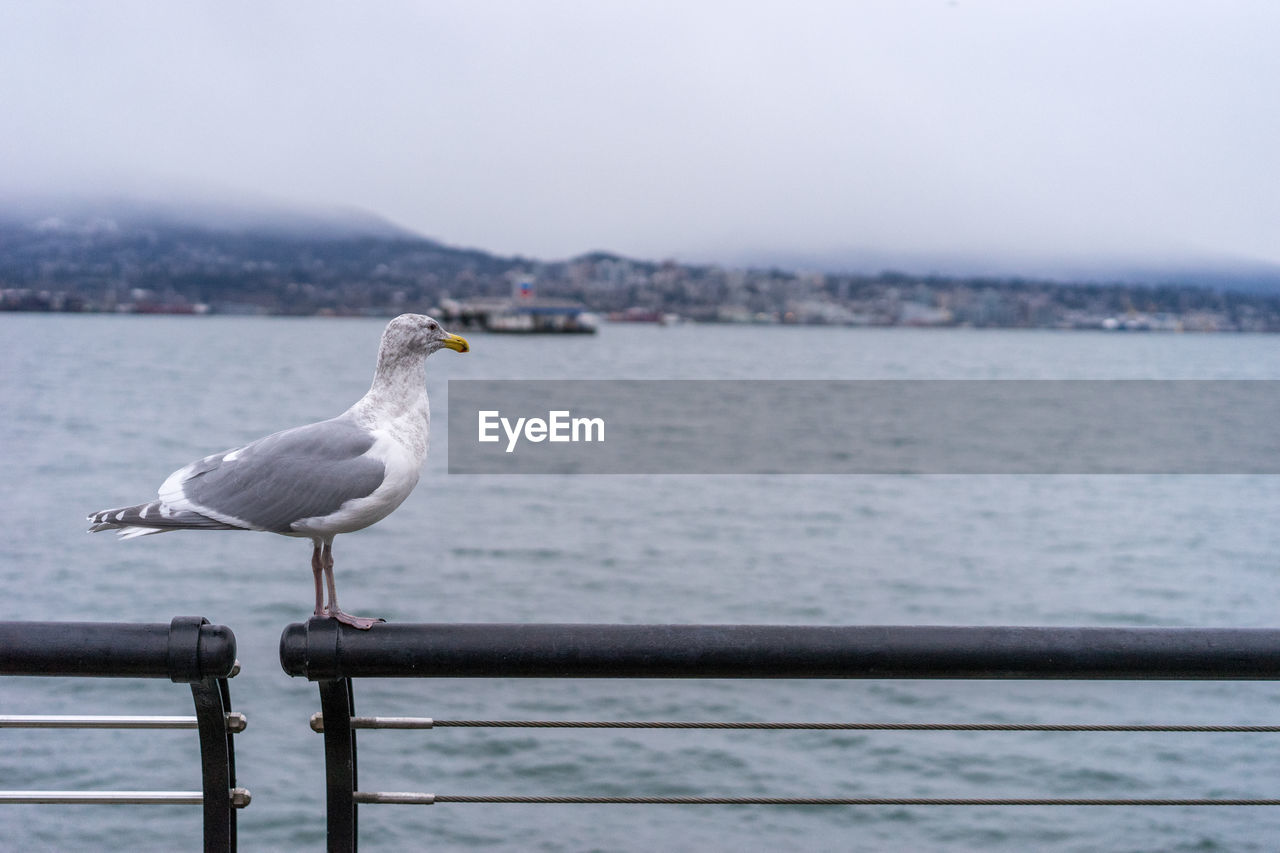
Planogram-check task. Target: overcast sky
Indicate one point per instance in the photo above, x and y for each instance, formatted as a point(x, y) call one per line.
point(692, 129)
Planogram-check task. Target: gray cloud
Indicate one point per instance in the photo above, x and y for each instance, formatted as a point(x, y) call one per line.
point(712, 129)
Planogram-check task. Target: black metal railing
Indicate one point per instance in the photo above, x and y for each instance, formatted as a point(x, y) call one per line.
point(187, 650)
point(333, 656)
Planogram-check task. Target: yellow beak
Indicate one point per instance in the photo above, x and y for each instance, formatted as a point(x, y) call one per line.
point(456, 343)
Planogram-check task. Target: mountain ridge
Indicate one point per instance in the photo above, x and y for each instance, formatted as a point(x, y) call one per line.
point(145, 257)
point(268, 217)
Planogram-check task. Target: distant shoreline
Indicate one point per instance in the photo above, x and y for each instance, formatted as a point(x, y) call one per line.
point(1118, 325)
point(165, 268)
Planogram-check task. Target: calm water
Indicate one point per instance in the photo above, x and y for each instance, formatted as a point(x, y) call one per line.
point(98, 410)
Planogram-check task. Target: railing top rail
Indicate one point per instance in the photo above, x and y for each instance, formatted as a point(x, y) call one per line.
point(187, 649)
point(323, 650)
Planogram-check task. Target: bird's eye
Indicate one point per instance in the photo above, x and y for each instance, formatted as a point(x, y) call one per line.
point(432, 326)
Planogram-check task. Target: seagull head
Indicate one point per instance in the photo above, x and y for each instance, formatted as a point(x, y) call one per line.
point(418, 333)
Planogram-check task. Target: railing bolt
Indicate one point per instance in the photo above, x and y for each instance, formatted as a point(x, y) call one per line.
point(236, 722)
point(240, 797)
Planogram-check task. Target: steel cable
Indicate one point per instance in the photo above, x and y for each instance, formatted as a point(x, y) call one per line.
point(423, 722)
point(961, 727)
point(429, 799)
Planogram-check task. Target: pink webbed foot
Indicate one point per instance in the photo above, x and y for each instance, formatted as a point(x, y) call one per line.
point(362, 623)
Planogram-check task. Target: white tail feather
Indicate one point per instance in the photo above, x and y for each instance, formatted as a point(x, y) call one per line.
point(135, 532)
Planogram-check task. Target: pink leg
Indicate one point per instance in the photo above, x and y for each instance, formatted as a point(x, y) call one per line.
point(334, 611)
point(316, 569)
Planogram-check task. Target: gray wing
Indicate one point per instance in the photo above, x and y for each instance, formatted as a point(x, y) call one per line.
point(267, 485)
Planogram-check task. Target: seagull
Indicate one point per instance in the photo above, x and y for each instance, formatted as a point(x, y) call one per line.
point(312, 481)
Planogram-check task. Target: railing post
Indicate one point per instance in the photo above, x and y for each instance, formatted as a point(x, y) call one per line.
point(212, 698)
point(322, 641)
point(337, 703)
point(217, 762)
